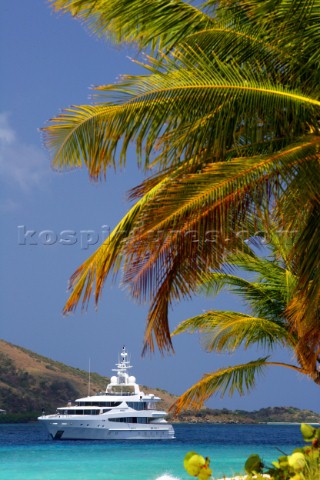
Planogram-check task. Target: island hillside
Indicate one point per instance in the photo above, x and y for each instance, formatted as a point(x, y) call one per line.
point(30, 382)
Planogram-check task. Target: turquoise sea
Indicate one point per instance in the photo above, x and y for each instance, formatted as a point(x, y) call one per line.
point(26, 453)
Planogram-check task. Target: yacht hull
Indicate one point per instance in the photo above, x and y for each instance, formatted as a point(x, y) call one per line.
point(80, 430)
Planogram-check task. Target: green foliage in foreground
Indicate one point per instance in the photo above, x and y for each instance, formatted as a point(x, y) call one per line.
point(302, 464)
point(197, 466)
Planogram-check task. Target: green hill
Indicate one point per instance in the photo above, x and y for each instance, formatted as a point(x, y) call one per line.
point(30, 382)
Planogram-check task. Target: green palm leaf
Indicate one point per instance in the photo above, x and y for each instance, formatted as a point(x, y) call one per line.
point(253, 292)
point(225, 331)
point(155, 26)
point(200, 197)
point(241, 44)
point(240, 378)
point(195, 101)
point(274, 285)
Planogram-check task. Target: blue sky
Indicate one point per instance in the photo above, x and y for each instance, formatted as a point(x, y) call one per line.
point(48, 62)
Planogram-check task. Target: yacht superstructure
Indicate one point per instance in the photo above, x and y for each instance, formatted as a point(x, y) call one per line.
point(123, 411)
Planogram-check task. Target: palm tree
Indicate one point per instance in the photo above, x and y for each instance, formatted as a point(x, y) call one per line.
point(227, 119)
point(266, 296)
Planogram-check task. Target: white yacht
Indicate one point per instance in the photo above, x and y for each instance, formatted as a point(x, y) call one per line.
point(122, 412)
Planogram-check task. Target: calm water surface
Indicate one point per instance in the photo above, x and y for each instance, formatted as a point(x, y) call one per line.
point(26, 452)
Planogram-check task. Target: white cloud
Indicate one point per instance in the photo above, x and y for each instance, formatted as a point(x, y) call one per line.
point(21, 165)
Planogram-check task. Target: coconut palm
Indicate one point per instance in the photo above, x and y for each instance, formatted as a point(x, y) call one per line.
point(266, 291)
point(226, 118)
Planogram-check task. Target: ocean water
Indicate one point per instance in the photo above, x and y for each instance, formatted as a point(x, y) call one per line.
point(26, 452)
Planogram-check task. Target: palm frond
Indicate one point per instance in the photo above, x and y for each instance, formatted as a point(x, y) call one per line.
point(78, 136)
point(225, 331)
point(302, 212)
point(297, 21)
point(213, 282)
point(198, 108)
point(109, 256)
point(273, 285)
point(240, 44)
point(146, 267)
point(175, 279)
point(160, 24)
point(219, 187)
point(266, 298)
point(240, 378)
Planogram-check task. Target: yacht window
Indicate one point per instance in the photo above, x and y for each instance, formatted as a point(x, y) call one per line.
point(138, 405)
point(98, 404)
point(130, 420)
point(81, 412)
point(121, 389)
